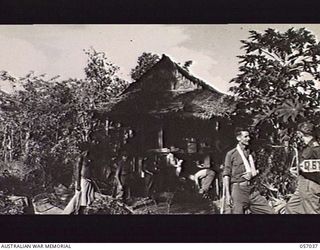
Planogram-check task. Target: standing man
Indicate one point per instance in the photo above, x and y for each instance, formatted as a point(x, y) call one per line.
point(239, 170)
point(84, 194)
point(123, 177)
point(151, 171)
point(306, 199)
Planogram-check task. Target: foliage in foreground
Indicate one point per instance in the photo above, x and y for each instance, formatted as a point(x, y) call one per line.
point(275, 179)
point(276, 89)
point(44, 121)
point(276, 86)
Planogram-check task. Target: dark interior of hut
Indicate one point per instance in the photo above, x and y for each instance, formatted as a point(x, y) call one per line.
point(195, 141)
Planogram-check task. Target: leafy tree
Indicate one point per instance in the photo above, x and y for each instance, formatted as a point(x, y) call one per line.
point(277, 78)
point(36, 124)
point(101, 82)
point(100, 86)
point(276, 89)
point(145, 62)
point(42, 124)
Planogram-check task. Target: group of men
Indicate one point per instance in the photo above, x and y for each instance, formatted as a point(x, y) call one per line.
point(240, 170)
point(85, 185)
point(238, 174)
point(158, 174)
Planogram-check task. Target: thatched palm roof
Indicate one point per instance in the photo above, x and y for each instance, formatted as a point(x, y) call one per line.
point(152, 97)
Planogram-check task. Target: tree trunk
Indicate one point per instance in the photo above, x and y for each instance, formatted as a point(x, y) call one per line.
point(11, 141)
point(4, 146)
point(26, 145)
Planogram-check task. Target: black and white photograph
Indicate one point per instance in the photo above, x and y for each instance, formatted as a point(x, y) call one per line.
point(109, 119)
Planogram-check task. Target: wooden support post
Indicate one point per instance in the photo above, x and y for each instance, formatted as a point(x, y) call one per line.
point(160, 137)
point(142, 129)
point(107, 126)
point(217, 125)
point(134, 164)
point(140, 162)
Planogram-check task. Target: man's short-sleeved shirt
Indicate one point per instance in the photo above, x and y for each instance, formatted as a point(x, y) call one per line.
point(234, 166)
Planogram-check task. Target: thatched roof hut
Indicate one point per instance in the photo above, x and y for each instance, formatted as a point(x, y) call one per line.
point(169, 90)
point(168, 106)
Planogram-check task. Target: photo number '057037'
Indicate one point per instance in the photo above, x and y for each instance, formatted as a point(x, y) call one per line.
point(313, 245)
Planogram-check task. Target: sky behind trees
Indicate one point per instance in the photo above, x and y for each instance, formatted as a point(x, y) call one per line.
point(58, 49)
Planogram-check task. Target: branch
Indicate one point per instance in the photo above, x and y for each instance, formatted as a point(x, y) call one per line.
point(278, 59)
